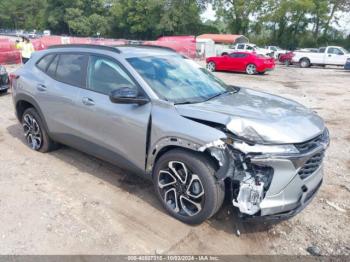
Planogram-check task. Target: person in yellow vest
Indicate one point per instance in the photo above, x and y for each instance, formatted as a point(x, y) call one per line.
point(27, 49)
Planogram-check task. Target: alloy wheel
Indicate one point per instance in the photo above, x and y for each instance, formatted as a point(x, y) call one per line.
point(32, 132)
point(181, 189)
point(211, 66)
point(251, 69)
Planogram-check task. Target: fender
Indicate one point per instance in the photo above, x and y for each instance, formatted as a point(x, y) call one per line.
point(29, 99)
point(166, 142)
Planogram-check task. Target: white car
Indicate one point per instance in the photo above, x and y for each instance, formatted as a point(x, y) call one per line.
point(331, 55)
point(276, 51)
point(246, 48)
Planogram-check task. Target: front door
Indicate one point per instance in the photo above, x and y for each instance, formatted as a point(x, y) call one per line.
point(335, 56)
point(115, 132)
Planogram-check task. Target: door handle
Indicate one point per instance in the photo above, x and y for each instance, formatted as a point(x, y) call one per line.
point(88, 101)
point(329, 55)
point(41, 87)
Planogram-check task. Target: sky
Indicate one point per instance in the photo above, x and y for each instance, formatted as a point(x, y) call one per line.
point(344, 22)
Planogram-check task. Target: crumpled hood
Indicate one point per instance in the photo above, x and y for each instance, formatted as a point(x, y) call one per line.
point(258, 116)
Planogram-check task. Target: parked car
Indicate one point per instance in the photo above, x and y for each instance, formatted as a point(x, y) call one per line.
point(277, 51)
point(4, 80)
point(347, 64)
point(159, 114)
point(47, 32)
point(245, 47)
point(331, 55)
point(286, 58)
point(241, 62)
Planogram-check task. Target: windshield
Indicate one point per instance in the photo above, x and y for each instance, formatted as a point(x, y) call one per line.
point(177, 79)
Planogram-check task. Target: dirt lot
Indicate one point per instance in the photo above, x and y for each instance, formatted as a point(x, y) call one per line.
point(67, 202)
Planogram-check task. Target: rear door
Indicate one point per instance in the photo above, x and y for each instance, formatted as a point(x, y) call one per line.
point(57, 92)
point(115, 132)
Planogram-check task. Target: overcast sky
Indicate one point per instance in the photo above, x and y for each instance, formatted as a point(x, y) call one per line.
point(344, 22)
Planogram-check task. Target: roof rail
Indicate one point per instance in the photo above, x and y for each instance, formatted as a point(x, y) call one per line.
point(146, 46)
point(102, 47)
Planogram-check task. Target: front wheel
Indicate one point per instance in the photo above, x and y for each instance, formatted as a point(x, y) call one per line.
point(185, 184)
point(211, 66)
point(251, 69)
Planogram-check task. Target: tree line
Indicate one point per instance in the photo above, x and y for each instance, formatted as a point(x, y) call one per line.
point(288, 23)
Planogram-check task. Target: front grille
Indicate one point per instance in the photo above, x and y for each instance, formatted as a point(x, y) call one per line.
point(311, 165)
point(313, 143)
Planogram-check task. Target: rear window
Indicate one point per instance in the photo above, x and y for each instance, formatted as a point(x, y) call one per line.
point(44, 62)
point(51, 70)
point(71, 69)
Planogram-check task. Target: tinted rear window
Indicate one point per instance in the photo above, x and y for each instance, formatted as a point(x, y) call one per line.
point(71, 68)
point(44, 62)
point(51, 70)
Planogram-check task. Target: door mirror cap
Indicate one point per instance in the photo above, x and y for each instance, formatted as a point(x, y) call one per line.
point(127, 95)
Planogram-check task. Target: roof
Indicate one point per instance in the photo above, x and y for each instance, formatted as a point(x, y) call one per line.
point(125, 50)
point(224, 38)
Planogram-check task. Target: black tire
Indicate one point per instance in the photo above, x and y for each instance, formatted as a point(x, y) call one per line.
point(47, 144)
point(197, 165)
point(304, 63)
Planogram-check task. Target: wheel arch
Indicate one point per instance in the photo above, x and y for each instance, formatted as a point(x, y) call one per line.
point(304, 58)
point(168, 144)
point(23, 102)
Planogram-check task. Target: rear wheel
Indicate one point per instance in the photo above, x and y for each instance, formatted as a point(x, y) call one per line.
point(185, 184)
point(2, 92)
point(251, 69)
point(304, 63)
point(211, 66)
point(35, 133)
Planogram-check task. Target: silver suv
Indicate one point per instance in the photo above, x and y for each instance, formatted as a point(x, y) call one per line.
point(159, 114)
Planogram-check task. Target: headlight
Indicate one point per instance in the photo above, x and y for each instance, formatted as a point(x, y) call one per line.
point(265, 149)
point(2, 70)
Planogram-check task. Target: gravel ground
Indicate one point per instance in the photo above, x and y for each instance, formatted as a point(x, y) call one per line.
point(66, 202)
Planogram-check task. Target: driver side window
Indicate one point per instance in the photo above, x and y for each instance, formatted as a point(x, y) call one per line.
point(335, 51)
point(106, 75)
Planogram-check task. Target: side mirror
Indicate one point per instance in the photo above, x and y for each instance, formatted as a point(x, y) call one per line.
point(127, 95)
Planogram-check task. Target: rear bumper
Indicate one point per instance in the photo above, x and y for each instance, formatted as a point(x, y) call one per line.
point(266, 68)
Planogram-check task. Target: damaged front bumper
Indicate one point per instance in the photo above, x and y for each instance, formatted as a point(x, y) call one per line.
point(273, 185)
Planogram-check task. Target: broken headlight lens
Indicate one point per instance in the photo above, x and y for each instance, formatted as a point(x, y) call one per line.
point(265, 149)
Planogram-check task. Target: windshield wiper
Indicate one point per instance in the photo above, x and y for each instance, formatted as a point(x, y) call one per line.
point(185, 103)
point(222, 93)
